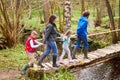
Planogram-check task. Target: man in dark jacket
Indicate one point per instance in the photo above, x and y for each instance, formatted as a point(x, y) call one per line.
point(82, 34)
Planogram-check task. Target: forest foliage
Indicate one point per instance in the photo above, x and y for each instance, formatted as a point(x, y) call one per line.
point(17, 15)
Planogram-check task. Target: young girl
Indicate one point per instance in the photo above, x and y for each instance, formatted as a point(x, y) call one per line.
point(66, 42)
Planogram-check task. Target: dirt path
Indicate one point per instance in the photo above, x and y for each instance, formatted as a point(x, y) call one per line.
point(10, 75)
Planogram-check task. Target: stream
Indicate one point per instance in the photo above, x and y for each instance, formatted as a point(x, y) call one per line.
point(109, 70)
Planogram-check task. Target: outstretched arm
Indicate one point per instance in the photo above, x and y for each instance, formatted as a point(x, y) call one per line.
point(34, 46)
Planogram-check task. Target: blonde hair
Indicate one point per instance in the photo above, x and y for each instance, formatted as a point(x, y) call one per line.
point(34, 33)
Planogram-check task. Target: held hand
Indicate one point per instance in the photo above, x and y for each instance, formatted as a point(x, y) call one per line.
point(61, 35)
point(44, 45)
point(76, 35)
point(40, 44)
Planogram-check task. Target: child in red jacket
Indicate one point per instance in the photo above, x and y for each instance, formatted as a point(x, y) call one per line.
point(30, 49)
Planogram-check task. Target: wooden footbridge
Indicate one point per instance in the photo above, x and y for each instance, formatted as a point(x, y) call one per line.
point(95, 57)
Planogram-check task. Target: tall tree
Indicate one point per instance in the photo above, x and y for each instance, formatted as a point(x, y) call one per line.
point(113, 6)
point(46, 9)
point(119, 22)
point(67, 14)
point(114, 36)
point(83, 6)
point(10, 21)
point(99, 12)
point(29, 8)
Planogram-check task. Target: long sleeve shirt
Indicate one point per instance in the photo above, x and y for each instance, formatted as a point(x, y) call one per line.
point(37, 44)
point(82, 26)
point(66, 40)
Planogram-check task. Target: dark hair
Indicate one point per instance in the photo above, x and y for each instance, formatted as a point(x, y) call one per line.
point(86, 13)
point(52, 18)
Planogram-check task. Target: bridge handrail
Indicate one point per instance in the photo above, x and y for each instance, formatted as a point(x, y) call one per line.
point(96, 34)
point(101, 33)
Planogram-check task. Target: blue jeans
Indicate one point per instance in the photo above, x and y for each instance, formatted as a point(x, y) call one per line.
point(84, 40)
point(51, 45)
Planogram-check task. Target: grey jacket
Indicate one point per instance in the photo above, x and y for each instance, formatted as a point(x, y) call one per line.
point(51, 32)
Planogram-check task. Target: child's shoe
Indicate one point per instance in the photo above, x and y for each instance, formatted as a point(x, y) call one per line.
point(61, 61)
point(71, 61)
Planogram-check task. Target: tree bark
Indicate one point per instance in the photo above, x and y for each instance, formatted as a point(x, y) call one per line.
point(67, 14)
point(40, 12)
point(29, 9)
point(98, 12)
point(98, 18)
point(10, 24)
point(46, 9)
point(83, 6)
point(61, 27)
point(119, 23)
point(113, 6)
point(114, 36)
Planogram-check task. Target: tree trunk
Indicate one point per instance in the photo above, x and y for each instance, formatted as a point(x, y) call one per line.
point(67, 14)
point(114, 36)
point(98, 11)
point(83, 6)
point(61, 26)
point(46, 9)
point(10, 24)
point(119, 23)
point(40, 12)
point(29, 9)
point(98, 18)
point(53, 6)
point(113, 6)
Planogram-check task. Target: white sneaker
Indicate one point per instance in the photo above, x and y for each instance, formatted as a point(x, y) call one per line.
point(71, 61)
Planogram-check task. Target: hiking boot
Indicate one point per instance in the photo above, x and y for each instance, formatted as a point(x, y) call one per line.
point(54, 61)
point(74, 53)
point(85, 53)
point(24, 70)
point(41, 60)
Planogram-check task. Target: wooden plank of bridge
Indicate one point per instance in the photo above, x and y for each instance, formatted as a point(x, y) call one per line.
point(49, 65)
point(106, 51)
point(80, 57)
point(116, 47)
point(92, 56)
point(96, 54)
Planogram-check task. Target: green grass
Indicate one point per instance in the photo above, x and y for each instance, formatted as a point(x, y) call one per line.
point(12, 59)
point(15, 59)
point(61, 75)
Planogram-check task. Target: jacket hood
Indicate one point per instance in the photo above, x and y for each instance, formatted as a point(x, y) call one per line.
point(83, 18)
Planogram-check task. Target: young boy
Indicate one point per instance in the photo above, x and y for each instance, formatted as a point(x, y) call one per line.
point(66, 42)
point(82, 34)
point(30, 49)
